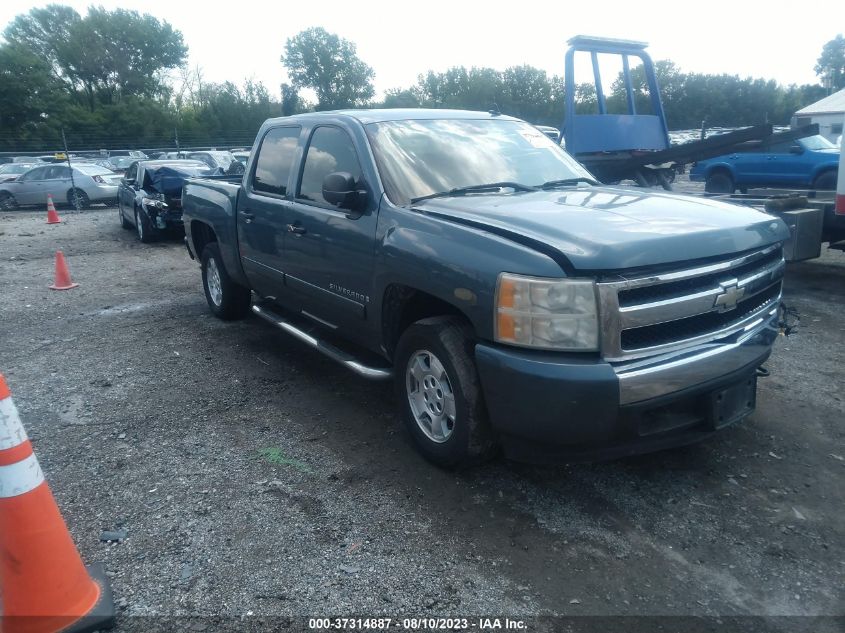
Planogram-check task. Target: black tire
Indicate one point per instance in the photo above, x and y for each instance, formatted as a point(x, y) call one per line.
point(233, 300)
point(84, 200)
point(825, 181)
point(467, 439)
point(719, 182)
point(124, 223)
point(144, 230)
point(7, 201)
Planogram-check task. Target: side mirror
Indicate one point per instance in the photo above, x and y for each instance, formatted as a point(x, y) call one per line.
point(340, 188)
point(796, 149)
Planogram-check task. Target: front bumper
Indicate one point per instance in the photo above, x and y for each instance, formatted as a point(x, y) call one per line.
point(552, 407)
point(165, 219)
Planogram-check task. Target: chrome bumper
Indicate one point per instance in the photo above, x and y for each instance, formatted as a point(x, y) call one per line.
point(670, 373)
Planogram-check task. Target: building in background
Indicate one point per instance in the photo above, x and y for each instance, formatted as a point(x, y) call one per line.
point(827, 112)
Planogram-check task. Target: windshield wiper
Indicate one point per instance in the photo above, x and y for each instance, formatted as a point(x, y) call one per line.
point(460, 191)
point(551, 184)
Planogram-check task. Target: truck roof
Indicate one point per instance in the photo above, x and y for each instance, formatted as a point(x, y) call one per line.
point(399, 114)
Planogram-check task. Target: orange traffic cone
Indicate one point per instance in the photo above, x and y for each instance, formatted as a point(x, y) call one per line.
point(63, 281)
point(52, 216)
point(44, 584)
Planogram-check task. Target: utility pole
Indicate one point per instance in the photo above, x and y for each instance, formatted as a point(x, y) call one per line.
point(176, 134)
point(70, 167)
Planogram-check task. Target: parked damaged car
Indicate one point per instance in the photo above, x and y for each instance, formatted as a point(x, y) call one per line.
point(149, 196)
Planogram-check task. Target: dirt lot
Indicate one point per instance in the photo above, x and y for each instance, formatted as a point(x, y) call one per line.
point(253, 476)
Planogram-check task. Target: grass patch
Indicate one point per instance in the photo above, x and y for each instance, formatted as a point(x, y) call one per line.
point(275, 455)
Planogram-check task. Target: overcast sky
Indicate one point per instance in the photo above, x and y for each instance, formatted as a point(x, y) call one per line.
point(244, 38)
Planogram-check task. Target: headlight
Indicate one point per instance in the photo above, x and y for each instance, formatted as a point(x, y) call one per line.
point(546, 313)
point(153, 203)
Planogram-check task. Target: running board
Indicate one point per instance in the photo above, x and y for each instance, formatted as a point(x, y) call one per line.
point(335, 353)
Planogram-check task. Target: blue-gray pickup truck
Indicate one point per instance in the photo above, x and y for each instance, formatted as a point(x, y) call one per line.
point(514, 301)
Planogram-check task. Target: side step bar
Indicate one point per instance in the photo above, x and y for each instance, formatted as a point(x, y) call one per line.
point(336, 354)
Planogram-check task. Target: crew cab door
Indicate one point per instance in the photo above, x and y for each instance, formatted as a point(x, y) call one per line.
point(785, 166)
point(263, 210)
point(328, 249)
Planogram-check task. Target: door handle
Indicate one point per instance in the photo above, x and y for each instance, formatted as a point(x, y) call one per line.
point(296, 229)
point(248, 217)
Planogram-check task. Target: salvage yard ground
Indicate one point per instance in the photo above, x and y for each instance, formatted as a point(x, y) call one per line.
point(251, 475)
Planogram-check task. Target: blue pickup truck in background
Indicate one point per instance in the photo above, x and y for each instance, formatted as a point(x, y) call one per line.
point(808, 162)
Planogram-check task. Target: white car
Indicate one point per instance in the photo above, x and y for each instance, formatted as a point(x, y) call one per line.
point(92, 182)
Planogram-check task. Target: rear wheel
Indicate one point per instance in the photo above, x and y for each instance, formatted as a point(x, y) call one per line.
point(227, 300)
point(84, 200)
point(439, 393)
point(719, 182)
point(825, 181)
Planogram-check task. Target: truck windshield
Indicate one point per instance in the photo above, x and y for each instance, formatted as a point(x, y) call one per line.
point(817, 142)
point(418, 158)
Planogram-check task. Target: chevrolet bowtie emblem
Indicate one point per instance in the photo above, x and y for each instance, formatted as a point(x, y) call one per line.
point(729, 297)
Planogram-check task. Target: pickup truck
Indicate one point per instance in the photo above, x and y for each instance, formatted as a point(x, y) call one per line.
point(806, 162)
point(514, 302)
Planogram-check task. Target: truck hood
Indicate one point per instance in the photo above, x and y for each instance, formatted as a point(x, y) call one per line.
point(613, 228)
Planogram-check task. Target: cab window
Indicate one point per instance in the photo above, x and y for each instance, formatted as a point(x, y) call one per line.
point(330, 150)
point(275, 161)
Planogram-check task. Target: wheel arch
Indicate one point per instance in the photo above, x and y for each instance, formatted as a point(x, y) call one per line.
point(821, 170)
point(403, 305)
point(720, 168)
point(201, 235)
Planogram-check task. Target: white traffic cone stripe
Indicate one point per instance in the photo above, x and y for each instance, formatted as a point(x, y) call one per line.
point(12, 432)
point(21, 477)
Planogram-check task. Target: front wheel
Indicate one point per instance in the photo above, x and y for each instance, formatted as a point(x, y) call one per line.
point(124, 223)
point(143, 228)
point(227, 300)
point(7, 201)
point(825, 181)
point(439, 393)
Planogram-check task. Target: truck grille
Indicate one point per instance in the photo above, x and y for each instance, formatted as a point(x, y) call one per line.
point(669, 311)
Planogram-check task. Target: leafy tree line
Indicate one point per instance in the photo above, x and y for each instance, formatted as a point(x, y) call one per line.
point(118, 79)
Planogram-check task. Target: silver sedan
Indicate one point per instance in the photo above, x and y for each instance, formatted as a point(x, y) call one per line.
point(92, 182)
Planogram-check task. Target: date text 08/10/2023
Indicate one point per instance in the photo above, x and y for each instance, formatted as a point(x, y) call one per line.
point(417, 624)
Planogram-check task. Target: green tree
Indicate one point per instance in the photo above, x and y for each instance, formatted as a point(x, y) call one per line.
point(103, 56)
point(830, 66)
point(30, 99)
point(292, 102)
point(329, 65)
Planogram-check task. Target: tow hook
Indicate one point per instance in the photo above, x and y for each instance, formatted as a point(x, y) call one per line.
point(788, 319)
point(762, 372)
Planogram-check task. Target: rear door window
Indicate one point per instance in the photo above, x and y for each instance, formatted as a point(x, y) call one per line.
point(330, 150)
point(57, 172)
point(275, 161)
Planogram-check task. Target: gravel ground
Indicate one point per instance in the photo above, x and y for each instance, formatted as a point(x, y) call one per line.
point(253, 476)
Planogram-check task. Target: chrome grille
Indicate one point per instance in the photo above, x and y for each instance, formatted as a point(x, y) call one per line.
point(668, 311)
